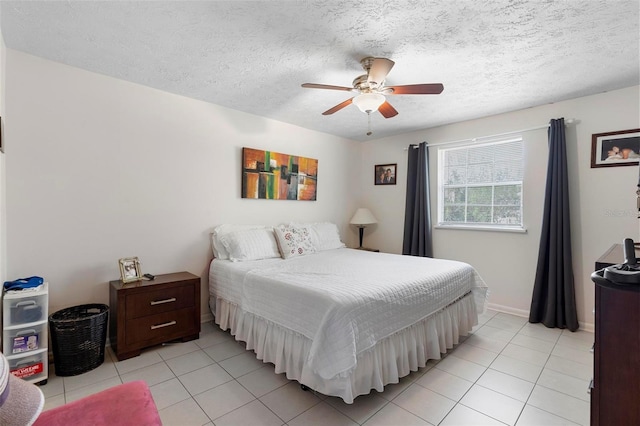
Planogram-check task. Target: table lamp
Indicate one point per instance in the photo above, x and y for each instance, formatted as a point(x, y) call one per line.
point(361, 219)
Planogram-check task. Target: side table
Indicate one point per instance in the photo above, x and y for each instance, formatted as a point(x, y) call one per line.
point(147, 313)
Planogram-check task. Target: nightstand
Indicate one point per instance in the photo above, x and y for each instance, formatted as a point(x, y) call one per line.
point(368, 249)
point(147, 313)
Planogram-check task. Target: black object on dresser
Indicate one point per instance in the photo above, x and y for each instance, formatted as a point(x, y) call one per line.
point(615, 393)
point(147, 313)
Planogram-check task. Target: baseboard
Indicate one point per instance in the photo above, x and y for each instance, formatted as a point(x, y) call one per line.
point(508, 310)
point(206, 317)
point(584, 326)
point(587, 326)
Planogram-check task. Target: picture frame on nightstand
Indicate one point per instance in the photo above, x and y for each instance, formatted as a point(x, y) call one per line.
point(130, 269)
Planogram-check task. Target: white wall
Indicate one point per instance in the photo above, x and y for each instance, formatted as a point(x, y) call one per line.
point(603, 200)
point(98, 169)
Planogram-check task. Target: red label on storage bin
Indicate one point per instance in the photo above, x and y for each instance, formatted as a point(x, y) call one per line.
point(28, 371)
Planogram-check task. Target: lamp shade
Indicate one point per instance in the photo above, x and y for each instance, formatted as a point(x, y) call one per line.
point(368, 102)
point(363, 217)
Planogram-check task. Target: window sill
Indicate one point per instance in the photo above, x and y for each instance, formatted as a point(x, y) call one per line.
point(515, 230)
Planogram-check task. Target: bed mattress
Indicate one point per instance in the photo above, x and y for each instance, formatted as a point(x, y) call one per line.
point(344, 301)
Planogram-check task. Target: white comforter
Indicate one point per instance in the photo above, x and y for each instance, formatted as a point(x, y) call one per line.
point(344, 300)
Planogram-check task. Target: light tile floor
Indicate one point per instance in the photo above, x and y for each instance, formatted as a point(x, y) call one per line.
point(506, 372)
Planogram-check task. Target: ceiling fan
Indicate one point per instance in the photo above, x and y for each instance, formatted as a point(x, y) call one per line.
point(372, 90)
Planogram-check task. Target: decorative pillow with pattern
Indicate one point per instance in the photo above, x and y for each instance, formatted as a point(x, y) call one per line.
point(294, 241)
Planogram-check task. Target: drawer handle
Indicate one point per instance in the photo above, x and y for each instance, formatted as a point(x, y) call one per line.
point(166, 324)
point(25, 303)
point(160, 302)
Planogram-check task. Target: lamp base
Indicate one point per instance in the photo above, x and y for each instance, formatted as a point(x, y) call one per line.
point(361, 235)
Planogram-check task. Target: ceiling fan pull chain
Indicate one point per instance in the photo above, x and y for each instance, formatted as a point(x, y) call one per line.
point(369, 133)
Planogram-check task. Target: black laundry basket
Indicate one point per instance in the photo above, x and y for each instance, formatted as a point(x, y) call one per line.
point(78, 336)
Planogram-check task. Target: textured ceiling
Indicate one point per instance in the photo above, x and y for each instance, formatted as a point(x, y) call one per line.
point(492, 56)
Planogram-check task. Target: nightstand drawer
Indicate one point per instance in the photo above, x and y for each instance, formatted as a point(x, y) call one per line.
point(158, 301)
point(161, 327)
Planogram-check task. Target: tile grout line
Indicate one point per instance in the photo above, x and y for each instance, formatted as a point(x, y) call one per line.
point(500, 353)
point(538, 378)
point(485, 370)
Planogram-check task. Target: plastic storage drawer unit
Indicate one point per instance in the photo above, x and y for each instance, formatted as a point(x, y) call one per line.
point(32, 366)
point(25, 335)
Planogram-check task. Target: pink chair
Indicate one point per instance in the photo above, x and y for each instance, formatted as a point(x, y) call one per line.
point(127, 404)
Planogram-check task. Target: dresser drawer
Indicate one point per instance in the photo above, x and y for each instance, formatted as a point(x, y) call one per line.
point(162, 300)
point(161, 327)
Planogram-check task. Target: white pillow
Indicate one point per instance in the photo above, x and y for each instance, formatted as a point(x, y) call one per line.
point(294, 241)
point(327, 236)
point(250, 244)
point(219, 250)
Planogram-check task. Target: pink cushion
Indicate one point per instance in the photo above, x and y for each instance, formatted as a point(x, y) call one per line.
point(127, 404)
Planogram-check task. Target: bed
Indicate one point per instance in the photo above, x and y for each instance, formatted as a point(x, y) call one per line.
point(340, 321)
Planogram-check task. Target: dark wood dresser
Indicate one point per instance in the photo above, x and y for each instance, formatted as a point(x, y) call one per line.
point(147, 313)
point(615, 393)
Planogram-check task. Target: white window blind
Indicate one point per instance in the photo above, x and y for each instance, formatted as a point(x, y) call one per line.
point(481, 185)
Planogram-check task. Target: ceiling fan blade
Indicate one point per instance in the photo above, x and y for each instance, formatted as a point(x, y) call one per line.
point(416, 89)
point(379, 70)
point(387, 110)
point(326, 86)
point(338, 107)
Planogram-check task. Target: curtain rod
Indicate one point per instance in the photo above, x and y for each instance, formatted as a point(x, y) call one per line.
point(566, 122)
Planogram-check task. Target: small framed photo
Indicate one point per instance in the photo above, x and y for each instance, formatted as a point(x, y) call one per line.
point(130, 269)
point(621, 148)
point(385, 174)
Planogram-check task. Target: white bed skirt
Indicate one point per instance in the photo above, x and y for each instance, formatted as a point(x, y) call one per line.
point(389, 360)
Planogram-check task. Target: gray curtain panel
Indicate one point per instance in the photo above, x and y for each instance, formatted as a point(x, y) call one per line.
point(553, 302)
point(417, 213)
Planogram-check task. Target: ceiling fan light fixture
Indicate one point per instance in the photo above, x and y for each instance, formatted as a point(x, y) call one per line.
point(369, 102)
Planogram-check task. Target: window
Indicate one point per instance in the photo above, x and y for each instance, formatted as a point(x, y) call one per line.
point(480, 186)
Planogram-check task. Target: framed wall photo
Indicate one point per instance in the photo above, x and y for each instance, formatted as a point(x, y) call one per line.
point(621, 148)
point(130, 269)
point(385, 174)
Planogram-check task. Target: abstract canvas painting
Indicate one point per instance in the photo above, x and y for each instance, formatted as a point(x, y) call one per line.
point(274, 176)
